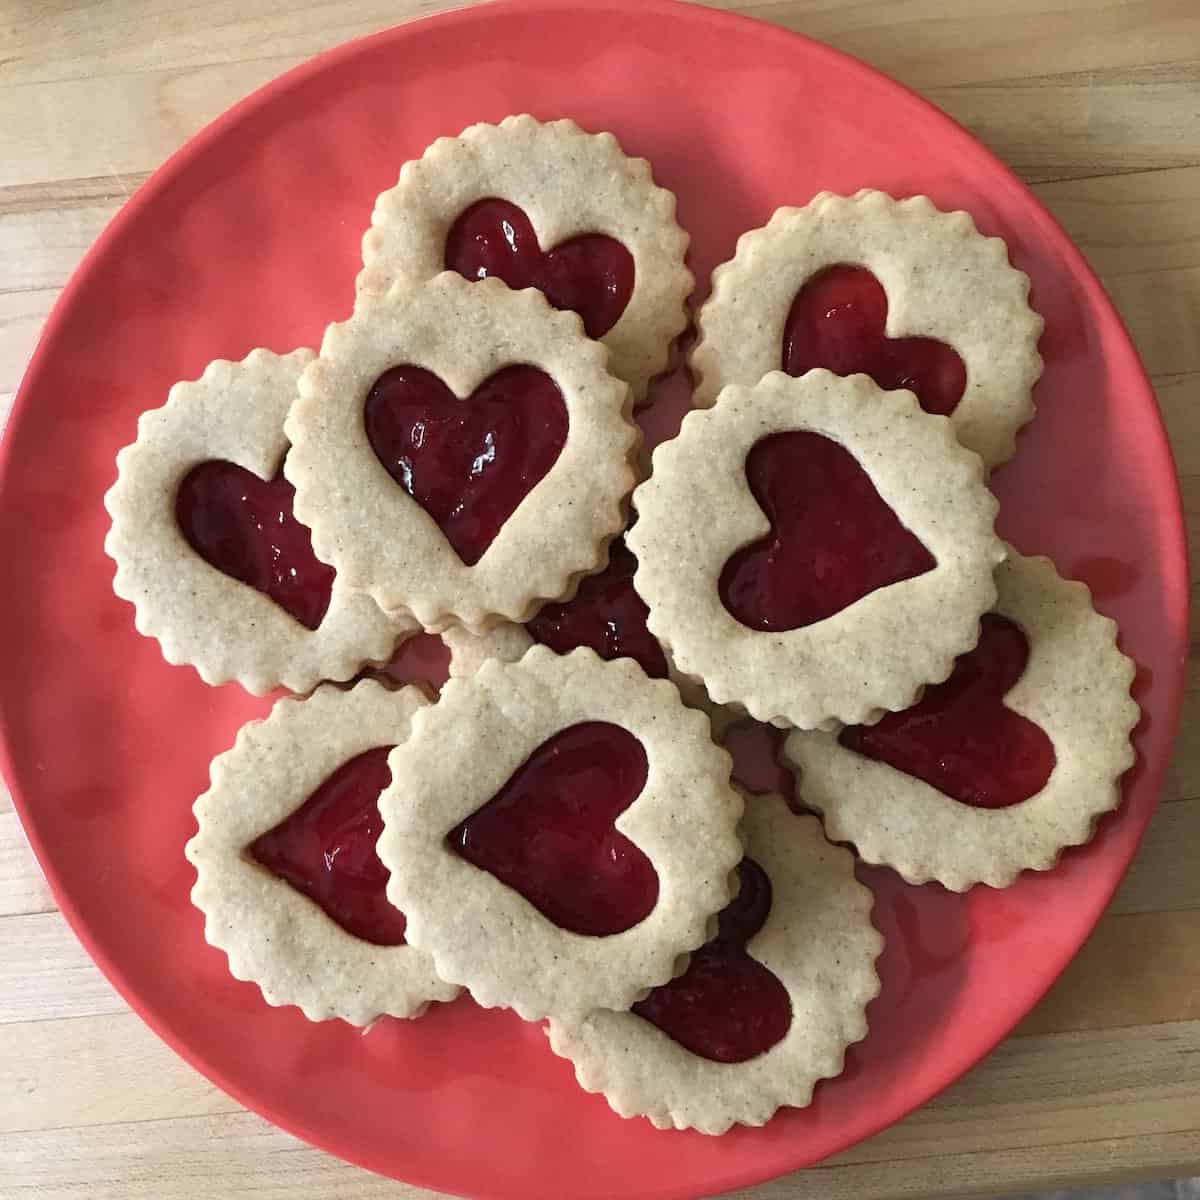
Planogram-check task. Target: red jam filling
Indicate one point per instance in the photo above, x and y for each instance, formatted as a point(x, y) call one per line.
point(467, 463)
point(549, 833)
point(837, 321)
point(605, 614)
point(726, 1007)
point(591, 275)
point(833, 539)
point(757, 751)
point(326, 850)
point(244, 526)
point(960, 738)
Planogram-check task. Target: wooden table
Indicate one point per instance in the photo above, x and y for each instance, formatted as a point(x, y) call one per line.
point(1097, 104)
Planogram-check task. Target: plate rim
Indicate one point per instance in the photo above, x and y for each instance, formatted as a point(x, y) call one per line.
point(1175, 581)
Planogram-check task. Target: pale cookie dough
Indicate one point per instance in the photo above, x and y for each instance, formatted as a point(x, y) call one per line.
point(378, 536)
point(462, 752)
point(818, 941)
point(696, 510)
point(943, 280)
point(1075, 686)
point(274, 935)
point(508, 643)
point(568, 183)
point(224, 628)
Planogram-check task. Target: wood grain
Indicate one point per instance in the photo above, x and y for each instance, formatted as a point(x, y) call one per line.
point(47, 973)
point(1095, 102)
point(23, 889)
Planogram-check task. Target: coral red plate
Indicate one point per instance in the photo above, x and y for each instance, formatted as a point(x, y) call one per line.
point(250, 236)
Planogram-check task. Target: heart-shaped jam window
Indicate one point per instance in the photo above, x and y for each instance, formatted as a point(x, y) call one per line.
point(960, 737)
point(837, 321)
point(326, 850)
point(468, 463)
point(591, 275)
point(833, 539)
point(549, 834)
point(605, 614)
point(244, 526)
point(726, 1006)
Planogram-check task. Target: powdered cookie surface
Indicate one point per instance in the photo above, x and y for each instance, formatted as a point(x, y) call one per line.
point(999, 769)
point(460, 451)
point(815, 549)
point(545, 206)
point(559, 831)
point(895, 289)
point(765, 1009)
point(287, 875)
point(208, 550)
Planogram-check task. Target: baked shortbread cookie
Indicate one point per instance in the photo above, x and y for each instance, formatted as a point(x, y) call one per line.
point(895, 289)
point(559, 830)
point(765, 1009)
point(208, 550)
point(287, 876)
point(545, 206)
point(814, 549)
point(460, 452)
point(1014, 758)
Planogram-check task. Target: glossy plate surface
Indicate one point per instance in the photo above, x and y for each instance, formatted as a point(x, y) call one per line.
point(250, 236)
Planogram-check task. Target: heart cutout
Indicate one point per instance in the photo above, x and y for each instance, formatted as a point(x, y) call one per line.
point(837, 321)
point(326, 850)
point(591, 275)
point(549, 834)
point(833, 539)
point(244, 526)
point(960, 737)
point(605, 614)
point(726, 1007)
point(468, 463)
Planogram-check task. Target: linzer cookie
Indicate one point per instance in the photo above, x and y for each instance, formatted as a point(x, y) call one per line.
point(607, 615)
point(460, 452)
point(895, 289)
point(208, 549)
point(287, 876)
point(814, 549)
point(559, 831)
point(997, 770)
point(764, 1010)
point(550, 207)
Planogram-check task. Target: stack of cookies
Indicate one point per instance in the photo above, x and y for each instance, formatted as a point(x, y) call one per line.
point(557, 830)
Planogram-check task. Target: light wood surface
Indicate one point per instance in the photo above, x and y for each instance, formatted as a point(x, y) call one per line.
point(1097, 104)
